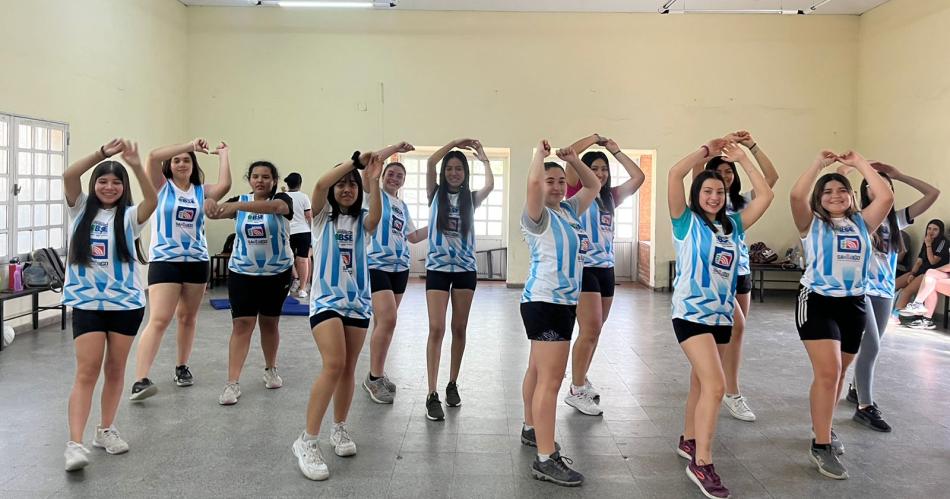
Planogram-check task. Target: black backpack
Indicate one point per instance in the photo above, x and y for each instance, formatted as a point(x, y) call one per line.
point(49, 261)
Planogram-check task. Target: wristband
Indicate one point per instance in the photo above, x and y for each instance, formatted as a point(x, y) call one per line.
point(753, 146)
point(704, 146)
point(616, 153)
point(356, 161)
point(102, 150)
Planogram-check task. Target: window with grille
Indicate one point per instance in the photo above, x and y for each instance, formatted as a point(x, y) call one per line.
point(489, 217)
point(32, 206)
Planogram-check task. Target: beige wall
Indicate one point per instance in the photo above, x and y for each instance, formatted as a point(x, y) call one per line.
point(289, 86)
point(903, 97)
point(107, 67)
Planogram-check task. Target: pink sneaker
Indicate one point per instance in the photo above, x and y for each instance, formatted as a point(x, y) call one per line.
point(686, 448)
point(706, 478)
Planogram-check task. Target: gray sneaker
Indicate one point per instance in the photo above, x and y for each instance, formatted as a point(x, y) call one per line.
point(377, 390)
point(836, 444)
point(389, 384)
point(557, 471)
point(109, 439)
point(529, 438)
point(827, 461)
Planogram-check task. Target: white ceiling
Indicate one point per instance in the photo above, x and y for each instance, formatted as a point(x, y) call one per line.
point(853, 7)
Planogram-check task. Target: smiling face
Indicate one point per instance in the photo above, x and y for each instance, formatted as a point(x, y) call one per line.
point(555, 185)
point(454, 172)
point(181, 167)
point(601, 170)
point(109, 189)
point(345, 191)
point(712, 196)
point(836, 198)
point(725, 171)
point(262, 181)
point(393, 178)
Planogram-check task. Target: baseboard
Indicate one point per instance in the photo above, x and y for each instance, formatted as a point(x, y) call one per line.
point(43, 322)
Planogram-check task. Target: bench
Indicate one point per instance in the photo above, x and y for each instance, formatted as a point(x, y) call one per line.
point(219, 269)
point(36, 308)
point(488, 256)
point(762, 268)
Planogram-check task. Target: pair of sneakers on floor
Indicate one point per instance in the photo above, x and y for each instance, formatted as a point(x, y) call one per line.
point(77, 455)
point(232, 390)
point(310, 458)
point(434, 410)
point(918, 310)
point(144, 388)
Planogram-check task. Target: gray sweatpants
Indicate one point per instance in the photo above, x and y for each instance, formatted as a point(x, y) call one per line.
point(878, 313)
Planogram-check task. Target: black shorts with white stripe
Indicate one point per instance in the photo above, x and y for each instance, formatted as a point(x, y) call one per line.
point(839, 318)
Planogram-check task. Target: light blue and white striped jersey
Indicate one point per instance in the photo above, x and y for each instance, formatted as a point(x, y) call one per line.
point(261, 242)
point(744, 267)
point(884, 264)
point(706, 270)
point(340, 274)
point(837, 256)
point(388, 247)
point(178, 225)
point(598, 223)
point(558, 245)
point(448, 251)
point(107, 283)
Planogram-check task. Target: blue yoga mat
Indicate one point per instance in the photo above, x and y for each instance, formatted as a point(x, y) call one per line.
point(291, 306)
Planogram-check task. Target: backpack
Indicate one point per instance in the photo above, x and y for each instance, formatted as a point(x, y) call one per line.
point(35, 277)
point(48, 260)
point(760, 253)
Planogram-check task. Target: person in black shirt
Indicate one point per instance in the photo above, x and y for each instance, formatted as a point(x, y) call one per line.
point(935, 252)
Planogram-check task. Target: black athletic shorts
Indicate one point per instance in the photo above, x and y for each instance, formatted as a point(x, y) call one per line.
point(548, 321)
point(178, 272)
point(300, 244)
point(331, 314)
point(380, 280)
point(445, 281)
point(598, 280)
point(685, 330)
point(744, 284)
point(840, 318)
point(124, 322)
point(251, 295)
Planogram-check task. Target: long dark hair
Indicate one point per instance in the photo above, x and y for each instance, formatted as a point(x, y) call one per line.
point(80, 252)
point(943, 230)
point(895, 242)
point(819, 189)
point(197, 176)
point(735, 190)
point(694, 191)
point(605, 200)
point(466, 207)
point(273, 173)
point(357, 205)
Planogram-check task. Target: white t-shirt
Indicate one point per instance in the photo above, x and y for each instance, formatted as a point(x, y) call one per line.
point(301, 206)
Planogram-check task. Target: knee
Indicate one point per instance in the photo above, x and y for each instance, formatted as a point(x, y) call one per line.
point(590, 330)
point(114, 371)
point(828, 377)
point(187, 321)
point(385, 323)
point(458, 329)
point(159, 323)
point(334, 369)
point(713, 388)
point(436, 330)
point(87, 375)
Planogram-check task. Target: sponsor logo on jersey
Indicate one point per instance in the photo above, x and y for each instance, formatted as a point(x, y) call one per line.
point(723, 258)
point(184, 200)
point(100, 249)
point(344, 236)
point(722, 239)
point(255, 231)
point(185, 214)
point(849, 244)
point(453, 225)
point(397, 224)
point(606, 221)
point(845, 229)
point(346, 256)
point(99, 228)
point(584, 243)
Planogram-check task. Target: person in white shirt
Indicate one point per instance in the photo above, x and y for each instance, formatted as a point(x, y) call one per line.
point(300, 235)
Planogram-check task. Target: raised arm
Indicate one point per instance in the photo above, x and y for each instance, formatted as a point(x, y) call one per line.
point(373, 170)
point(930, 193)
point(418, 235)
point(486, 189)
point(534, 199)
point(590, 185)
point(432, 165)
point(72, 177)
point(326, 181)
point(768, 169)
point(264, 207)
point(157, 156)
point(628, 188)
point(883, 201)
point(761, 190)
point(676, 194)
point(130, 154)
point(218, 190)
point(800, 196)
point(579, 147)
point(384, 154)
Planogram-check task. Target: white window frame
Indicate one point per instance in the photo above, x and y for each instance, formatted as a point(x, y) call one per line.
point(493, 212)
point(36, 149)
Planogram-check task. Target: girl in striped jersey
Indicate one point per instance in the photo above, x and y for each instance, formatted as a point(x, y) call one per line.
point(737, 201)
point(706, 238)
point(558, 245)
point(831, 314)
point(103, 286)
point(886, 243)
point(388, 262)
point(339, 299)
point(450, 263)
point(597, 290)
point(259, 272)
point(179, 265)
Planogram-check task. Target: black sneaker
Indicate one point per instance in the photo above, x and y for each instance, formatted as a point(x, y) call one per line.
point(556, 470)
point(143, 389)
point(852, 394)
point(452, 398)
point(434, 408)
point(923, 323)
point(871, 417)
point(183, 376)
point(528, 438)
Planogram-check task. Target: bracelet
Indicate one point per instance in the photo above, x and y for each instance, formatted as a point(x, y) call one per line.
point(102, 150)
point(704, 146)
point(356, 161)
point(616, 153)
point(753, 146)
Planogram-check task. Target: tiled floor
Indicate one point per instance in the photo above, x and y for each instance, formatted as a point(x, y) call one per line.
point(185, 444)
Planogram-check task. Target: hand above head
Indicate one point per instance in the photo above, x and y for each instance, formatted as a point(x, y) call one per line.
point(404, 147)
point(112, 147)
point(611, 146)
point(544, 148)
point(222, 149)
point(375, 167)
point(567, 154)
point(200, 145)
point(885, 168)
point(742, 137)
point(464, 143)
point(733, 153)
point(852, 158)
point(130, 153)
point(844, 169)
point(479, 151)
point(600, 140)
point(715, 146)
point(826, 158)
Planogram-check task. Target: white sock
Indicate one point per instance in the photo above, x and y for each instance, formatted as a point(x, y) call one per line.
point(308, 437)
point(576, 389)
point(543, 457)
point(527, 427)
point(733, 395)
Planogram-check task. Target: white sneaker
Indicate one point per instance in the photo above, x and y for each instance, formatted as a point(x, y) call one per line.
point(340, 440)
point(232, 392)
point(913, 308)
point(738, 407)
point(310, 459)
point(272, 379)
point(302, 293)
point(76, 456)
point(109, 439)
point(583, 402)
point(589, 388)
point(294, 285)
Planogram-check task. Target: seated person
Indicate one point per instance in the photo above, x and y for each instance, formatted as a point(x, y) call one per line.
point(905, 259)
point(935, 252)
point(935, 281)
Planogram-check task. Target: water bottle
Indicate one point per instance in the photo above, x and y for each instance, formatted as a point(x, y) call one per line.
point(18, 278)
point(11, 273)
